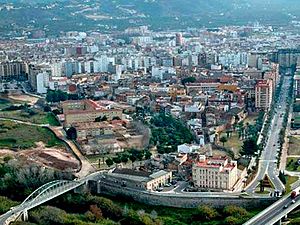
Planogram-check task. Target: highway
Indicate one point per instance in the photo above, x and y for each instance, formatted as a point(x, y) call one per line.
point(276, 211)
point(268, 158)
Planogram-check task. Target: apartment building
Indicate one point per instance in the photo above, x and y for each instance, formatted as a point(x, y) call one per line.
point(215, 173)
point(263, 94)
point(297, 85)
point(12, 70)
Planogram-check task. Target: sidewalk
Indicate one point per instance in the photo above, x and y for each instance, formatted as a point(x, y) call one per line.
point(285, 146)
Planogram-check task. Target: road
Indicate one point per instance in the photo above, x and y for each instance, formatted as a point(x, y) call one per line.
point(268, 158)
point(276, 211)
point(86, 167)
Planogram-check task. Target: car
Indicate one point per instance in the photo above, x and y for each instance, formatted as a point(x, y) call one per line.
point(160, 189)
point(293, 201)
point(285, 206)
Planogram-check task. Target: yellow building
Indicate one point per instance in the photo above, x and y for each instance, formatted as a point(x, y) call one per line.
point(91, 130)
point(84, 111)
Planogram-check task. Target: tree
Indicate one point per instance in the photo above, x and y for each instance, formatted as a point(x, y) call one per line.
point(249, 146)
point(101, 119)
point(132, 158)
point(124, 158)
point(47, 108)
point(56, 96)
point(235, 211)
point(96, 211)
point(104, 118)
point(117, 159)
point(231, 220)
point(261, 186)
point(282, 177)
point(109, 162)
point(48, 215)
point(72, 133)
point(223, 139)
point(148, 154)
point(188, 80)
point(206, 213)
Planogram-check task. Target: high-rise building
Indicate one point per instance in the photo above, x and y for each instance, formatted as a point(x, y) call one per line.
point(38, 79)
point(297, 85)
point(179, 39)
point(263, 94)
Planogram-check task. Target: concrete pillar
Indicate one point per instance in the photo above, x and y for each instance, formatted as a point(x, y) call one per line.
point(25, 215)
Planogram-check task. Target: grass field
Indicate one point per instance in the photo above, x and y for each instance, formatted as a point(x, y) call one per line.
point(21, 136)
point(257, 191)
point(292, 164)
point(251, 119)
point(5, 101)
point(234, 143)
point(294, 145)
point(289, 181)
point(39, 118)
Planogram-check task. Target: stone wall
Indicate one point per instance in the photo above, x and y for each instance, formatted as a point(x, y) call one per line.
point(181, 200)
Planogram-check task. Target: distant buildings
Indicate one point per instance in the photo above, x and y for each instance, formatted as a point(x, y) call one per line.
point(12, 70)
point(215, 173)
point(179, 39)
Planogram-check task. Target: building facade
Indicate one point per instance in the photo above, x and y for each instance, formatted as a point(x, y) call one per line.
point(83, 111)
point(215, 173)
point(263, 94)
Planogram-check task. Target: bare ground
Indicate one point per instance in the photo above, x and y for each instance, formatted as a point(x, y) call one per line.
point(24, 98)
point(56, 158)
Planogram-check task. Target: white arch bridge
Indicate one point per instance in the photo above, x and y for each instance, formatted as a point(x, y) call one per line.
point(41, 195)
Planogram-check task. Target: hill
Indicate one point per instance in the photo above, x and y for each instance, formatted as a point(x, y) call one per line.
point(62, 15)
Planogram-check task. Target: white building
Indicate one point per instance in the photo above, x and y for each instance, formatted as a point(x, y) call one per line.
point(42, 82)
point(187, 148)
point(159, 72)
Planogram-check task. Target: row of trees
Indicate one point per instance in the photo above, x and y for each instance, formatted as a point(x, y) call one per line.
point(132, 155)
point(91, 210)
point(58, 96)
point(231, 215)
